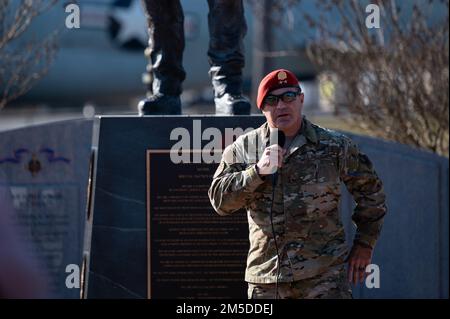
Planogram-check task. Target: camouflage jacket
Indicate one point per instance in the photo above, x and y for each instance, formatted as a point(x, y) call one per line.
point(309, 233)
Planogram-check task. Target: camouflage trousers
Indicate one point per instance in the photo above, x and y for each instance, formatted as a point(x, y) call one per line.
point(331, 284)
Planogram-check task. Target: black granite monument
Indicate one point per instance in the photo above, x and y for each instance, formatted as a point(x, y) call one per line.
point(152, 232)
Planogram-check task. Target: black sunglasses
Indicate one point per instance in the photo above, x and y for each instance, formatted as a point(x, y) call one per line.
point(286, 97)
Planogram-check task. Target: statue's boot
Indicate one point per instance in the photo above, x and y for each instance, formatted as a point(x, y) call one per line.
point(165, 73)
point(227, 29)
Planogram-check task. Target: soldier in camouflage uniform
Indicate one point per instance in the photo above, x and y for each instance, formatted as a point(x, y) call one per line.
point(306, 229)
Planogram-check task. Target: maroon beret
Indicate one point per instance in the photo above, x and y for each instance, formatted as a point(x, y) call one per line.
point(274, 80)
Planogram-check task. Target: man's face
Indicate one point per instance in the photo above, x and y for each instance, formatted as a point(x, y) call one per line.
point(285, 116)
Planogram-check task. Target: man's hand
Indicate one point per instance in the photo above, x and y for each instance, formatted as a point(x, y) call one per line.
point(271, 159)
point(358, 259)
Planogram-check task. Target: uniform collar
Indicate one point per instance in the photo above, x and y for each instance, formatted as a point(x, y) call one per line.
point(308, 130)
point(306, 133)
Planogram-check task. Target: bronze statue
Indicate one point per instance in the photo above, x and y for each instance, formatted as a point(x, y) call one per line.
point(227, 29)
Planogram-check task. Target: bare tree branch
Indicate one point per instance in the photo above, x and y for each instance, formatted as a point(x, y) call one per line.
point(22, 64)
point(396, 78)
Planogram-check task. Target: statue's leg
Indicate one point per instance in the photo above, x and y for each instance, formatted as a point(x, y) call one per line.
point(227, 29)
point(165, 73)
